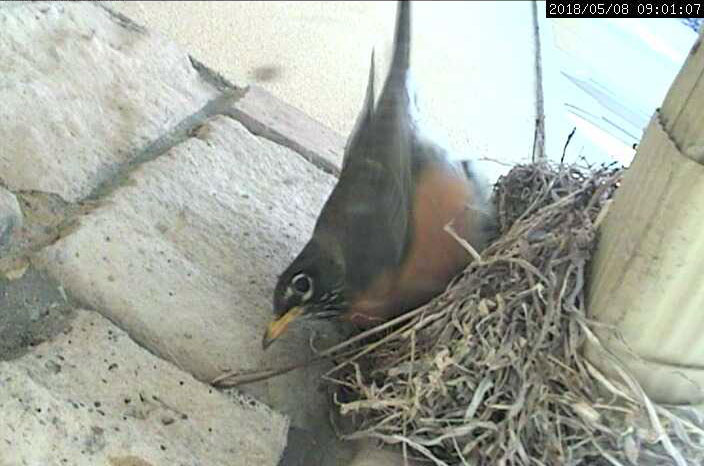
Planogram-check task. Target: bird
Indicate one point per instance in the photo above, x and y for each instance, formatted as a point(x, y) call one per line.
point(380, 246)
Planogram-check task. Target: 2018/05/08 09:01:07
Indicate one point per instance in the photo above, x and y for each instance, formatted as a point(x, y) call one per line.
point(566, 9)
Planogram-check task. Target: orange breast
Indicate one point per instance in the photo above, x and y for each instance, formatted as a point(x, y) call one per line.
point(442, 195)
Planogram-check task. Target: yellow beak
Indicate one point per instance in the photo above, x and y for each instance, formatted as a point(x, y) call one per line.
point(279, 326)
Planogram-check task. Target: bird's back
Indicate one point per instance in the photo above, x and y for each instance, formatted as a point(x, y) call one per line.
point(368, 210)
point(396, 192)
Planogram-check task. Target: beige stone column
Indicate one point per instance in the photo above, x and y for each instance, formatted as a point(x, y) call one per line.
point(648, 272)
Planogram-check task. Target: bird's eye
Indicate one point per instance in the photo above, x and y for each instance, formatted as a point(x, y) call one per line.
point(302, 284)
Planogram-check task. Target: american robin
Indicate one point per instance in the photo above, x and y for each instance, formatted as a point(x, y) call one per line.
point(380, 247)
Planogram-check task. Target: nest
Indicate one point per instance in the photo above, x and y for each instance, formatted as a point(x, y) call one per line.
point(490, 372)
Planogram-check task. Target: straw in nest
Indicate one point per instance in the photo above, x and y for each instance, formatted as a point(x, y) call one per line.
point(490, 372)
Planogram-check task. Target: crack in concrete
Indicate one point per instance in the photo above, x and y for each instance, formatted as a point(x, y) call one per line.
point(45, 215)
point(160, 146)
point(257, 128)
point(48, 221)
point(223, 104)
point(121, 19)
point(266, 132)
point(49, 218)
point(225, 86)
point(212, 77)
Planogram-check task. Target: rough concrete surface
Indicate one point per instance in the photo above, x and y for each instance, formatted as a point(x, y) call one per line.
point(168, 201)
point(43, 219)
point(185, 257)
point(104, 87)
point(313, 55)
point(33, 309)
point(266, 116)
point(10, 216)
point(92, 396)
point(473, 61)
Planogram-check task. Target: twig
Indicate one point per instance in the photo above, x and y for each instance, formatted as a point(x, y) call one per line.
point(463, 242)
point(567, 143)
point(499, 351)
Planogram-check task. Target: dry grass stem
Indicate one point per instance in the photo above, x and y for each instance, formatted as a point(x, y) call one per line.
point(490, 372)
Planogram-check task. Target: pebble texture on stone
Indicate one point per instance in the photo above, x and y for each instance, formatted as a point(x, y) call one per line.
point(92, 396)
point(81, 92)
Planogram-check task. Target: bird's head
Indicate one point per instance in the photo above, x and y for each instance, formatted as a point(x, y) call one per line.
point(311, 287)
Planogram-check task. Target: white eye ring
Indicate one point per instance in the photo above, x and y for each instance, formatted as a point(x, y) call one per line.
point(302, 284)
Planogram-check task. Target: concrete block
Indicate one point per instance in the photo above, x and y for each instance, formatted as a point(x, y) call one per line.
point(185, 257)
point(92, 396)
point(265, 115)
point(82, 91)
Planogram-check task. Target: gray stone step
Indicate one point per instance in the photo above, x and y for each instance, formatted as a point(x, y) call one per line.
point(92, 396)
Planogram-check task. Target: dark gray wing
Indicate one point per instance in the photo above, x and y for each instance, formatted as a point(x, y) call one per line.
point(369, 209)
point(365, 117)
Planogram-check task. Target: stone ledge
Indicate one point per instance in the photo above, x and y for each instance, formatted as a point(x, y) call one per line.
point(265, 115)
point(84, 92)
point(92, 396)
point(185, 256)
